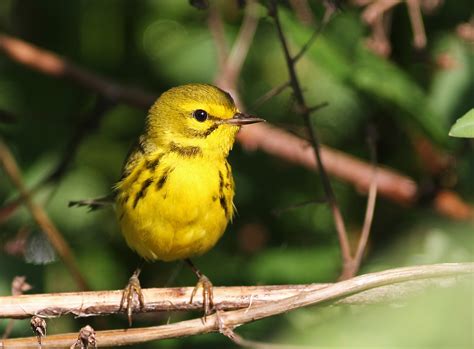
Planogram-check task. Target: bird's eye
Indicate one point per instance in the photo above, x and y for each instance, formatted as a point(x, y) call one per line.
point(200, 115)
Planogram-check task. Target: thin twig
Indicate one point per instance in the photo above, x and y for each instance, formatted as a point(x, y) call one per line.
point(236, 318)
point(269, 95)
point(369, 213)
point(306, 113)
point(377, 9)
point(229, 72)
point(416, 20)
point(327, 17)
point(216, 28)
point(40, 216)
point(19, 285)
point(241, 46)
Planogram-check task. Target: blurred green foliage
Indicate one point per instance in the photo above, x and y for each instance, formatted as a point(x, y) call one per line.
point(157, 44)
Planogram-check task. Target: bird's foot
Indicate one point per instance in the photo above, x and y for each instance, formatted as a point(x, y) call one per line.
point(207, 295)
point(131, 295)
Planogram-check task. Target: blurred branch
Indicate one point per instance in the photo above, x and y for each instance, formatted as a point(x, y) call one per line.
point(272, 140)
point(88, 124)
point(429, 274)
point(234, 62)
point(230, 66)
point(19, 285)
point(375, 12)
point(51, 64)
point(416, 20)
point(306, 113)
point(216, 27)
point(44, 222)
point(369, 215)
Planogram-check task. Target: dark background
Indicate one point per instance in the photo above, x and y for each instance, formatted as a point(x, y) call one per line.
point(408, 98)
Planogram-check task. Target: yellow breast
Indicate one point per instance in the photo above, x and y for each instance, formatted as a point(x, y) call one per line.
point(175, 205)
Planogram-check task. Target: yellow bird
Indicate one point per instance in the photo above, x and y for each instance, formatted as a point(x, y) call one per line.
point(175, 197)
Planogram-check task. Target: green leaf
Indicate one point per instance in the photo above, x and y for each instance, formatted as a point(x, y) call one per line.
point(464, 126)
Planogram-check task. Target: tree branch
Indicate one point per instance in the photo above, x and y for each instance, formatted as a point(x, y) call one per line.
point(232, 319)
point(51, 64)
point(306, 113)
point(42, 219)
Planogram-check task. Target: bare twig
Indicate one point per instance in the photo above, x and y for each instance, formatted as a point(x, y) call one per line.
point(216, 28)
point(40, 216)
point(269, 95)
point(53, 65)
point(238, 317)
point(233, 63)
point(303, 11)
point(419, 35)
point(306, 113)
point(369, 215)
point(379, 41)
point(377, 9)
point(327, 17)
point(19, 285)
point(238, 53)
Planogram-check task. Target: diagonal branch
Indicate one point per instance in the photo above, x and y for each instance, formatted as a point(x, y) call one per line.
point(42, 219)
point(50, 64)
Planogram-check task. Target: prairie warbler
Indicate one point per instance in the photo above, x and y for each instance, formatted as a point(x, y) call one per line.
point(174, 199)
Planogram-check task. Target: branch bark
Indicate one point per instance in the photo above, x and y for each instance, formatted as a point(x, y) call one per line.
point(231, 319)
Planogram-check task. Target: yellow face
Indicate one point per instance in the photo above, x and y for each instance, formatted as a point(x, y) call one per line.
point(196, 115)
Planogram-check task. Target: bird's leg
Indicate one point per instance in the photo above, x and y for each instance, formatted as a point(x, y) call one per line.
point(206, 285)
point(131, 292)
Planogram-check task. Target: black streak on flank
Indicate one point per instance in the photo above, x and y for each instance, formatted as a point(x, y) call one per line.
point(151, 164)
point(186, 151)
point(163, 179)
point(221, 183)
point(222, 200)
point(224, 205)
point(142, 191)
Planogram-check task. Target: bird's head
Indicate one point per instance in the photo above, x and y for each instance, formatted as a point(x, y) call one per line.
point(196, 115)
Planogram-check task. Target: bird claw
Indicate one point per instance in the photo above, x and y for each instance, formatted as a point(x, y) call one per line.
point(207, 295)
point(131, 293)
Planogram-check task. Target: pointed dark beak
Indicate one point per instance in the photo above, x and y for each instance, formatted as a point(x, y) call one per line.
point(240, 119)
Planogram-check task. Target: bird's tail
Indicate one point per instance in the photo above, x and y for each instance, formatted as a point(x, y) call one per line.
point(94, 204)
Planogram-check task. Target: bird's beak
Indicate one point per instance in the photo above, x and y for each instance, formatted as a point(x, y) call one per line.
point(240, 119)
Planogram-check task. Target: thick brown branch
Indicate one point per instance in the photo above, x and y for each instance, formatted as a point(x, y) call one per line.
point(284, 145)
point(51, 64)
point(254, 312)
